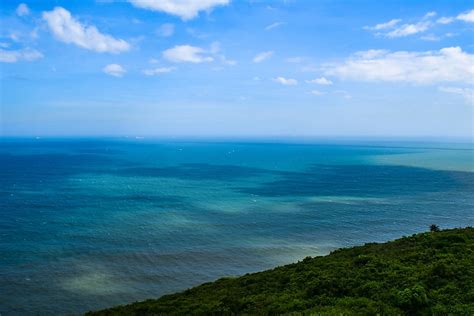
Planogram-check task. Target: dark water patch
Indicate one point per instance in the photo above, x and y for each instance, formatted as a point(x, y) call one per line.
point(61, 200)
point(363, 181)
point(21, 167)
point(49, 161)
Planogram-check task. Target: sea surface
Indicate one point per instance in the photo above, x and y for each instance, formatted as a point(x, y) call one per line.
point(87, 224)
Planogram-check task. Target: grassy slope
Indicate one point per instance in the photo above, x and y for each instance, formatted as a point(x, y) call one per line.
point(429, 273)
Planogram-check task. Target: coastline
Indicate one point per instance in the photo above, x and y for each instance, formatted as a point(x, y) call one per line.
point(426, 273)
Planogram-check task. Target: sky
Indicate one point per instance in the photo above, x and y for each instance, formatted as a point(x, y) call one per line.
point(237, 68)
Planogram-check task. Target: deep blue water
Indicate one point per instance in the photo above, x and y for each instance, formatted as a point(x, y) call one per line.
point(87, 224)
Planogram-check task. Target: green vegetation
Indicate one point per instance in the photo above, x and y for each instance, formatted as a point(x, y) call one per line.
point(425, 274)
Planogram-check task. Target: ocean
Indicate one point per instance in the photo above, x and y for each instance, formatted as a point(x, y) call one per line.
point(87, 224)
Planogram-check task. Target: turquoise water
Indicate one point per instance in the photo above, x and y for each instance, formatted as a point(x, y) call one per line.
point(87, 224)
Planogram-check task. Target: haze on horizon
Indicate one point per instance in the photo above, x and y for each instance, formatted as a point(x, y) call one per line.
point(245, 68)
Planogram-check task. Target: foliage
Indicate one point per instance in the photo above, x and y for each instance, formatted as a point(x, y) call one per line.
point(425, 274)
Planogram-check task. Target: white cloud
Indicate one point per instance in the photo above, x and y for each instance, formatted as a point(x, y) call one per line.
point(430, 15)
point(13, 56)
point(371, 53)
point(449, 64)
point(435, 38)
point(466, 16)
point(317, 92)
point(187, 53)
point(165, 30)
point(392, 28)
point(286, 81)
point(68, 30)
point(114, 70)
point(383, 26)
point(445, 20)
point(466, 93)
point(321, 81)
point(431, 38)
point(158, 71)
point(22, 10)
point(409, 29)
point(273, 25)
point(262, 56)
point(193, 54)
point(185, 9)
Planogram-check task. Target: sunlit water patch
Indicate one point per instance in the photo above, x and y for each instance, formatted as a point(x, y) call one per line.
point(451, 157)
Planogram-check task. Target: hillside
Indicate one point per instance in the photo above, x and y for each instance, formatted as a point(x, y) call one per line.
point(425, 274)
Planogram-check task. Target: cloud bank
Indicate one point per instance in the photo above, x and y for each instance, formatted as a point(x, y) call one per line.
point(262, 56)
point(286, 81)
point(322, 81)
point(187, 53)
point(158, 71)
point(13, 56)
point(450, 64)
point(114, 70)
point(68, 30)
point(466, 16)
point(185, 9)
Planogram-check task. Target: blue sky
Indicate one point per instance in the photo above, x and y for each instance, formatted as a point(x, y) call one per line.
point(237, 68)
